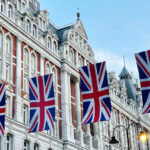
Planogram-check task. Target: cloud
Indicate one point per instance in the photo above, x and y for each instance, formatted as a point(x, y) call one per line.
point(115, 62)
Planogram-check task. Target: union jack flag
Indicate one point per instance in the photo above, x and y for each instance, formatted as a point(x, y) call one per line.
point(143, 64)
point(42, 103)
point(95, 93)
point(2, 109)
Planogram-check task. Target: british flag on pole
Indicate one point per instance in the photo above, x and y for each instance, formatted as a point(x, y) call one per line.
point(95, 93)
point(2, 109)
point(42, 103)
point(143, 64)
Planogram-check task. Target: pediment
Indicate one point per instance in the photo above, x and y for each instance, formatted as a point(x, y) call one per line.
point(79, 26)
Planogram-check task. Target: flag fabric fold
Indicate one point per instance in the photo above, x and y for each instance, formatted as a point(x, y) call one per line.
point(42, 103)
point(95, 93)
point(143, 65)
point(2, 108)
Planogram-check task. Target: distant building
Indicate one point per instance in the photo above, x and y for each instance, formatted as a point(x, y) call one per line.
point(31, 45)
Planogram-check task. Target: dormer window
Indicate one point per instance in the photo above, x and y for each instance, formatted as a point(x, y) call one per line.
point(10, 12)
point(49, 43)
point(41, 23)
point(71, 56)
point(28, 27)
point(54, 47)
point(34, 31)
point(3, 6)
point(23, 8)
point(19, 5)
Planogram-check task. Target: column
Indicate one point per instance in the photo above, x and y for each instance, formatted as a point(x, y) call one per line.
point(70, 109)
point(65, 105)
point(18, 107)
point(41, 64)
point(96, 140)
point(88, 137)
point(77, 60)
point(79, 134)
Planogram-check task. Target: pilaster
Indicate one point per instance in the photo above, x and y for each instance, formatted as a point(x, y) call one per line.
point(96, 140)
point(18, 107)
point(65, 105)
point(88, 137)
point(79, 134)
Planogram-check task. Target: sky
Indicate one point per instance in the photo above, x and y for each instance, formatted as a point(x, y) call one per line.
point(115, 28)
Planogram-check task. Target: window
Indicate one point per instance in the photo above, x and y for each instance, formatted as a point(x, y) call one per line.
point(36, 146)
point(49, 43)
point(32, 61)
point(28, 27)
point(47, 69)
point(10, 12)
point(7, 72)
point(44, 25)
point(80, 62)
point(25, 114)
point(26, 57)
point(34, 31)
point(3, 6)
point(33, 65)
point(54, 47)
point(9, 142)
point(41, 23)
point(19, 5)
point(71, 56)
point(8, 106)
point(23, 7)
point(26, 145)
point(8, 45)
point(1, 41)
point(25, 83)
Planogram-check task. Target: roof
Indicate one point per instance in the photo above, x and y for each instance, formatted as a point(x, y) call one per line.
point(124, 72)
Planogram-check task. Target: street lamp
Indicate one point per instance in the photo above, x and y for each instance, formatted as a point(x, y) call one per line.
point(142, 136)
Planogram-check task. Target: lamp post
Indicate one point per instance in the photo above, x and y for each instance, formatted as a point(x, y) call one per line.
point(143, 136)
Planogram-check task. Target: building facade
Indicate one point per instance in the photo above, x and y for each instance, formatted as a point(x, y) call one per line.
point(31, 45)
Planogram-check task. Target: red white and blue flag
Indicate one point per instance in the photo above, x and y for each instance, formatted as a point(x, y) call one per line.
point(95, 93)
point(42, 103)
point(2, 108)
point(143, 64)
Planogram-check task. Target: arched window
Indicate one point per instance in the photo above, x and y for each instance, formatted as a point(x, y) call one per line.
point(19, 5)
point(36, 146)
point(28, 27)
point(80, 62)
point(71, 57)
point(49, 43)
point(34, 31)
point(10, 12)
point(8, 45)
point(1, 42)
point(47, 69)
point(54, 47)
point(3, 6)
point(9, 142)
point(32, 61)
point(8, 58)
point(26, 57)
point(26, 145)
point(33, 64)
point(54, 77)
point(25, 69)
